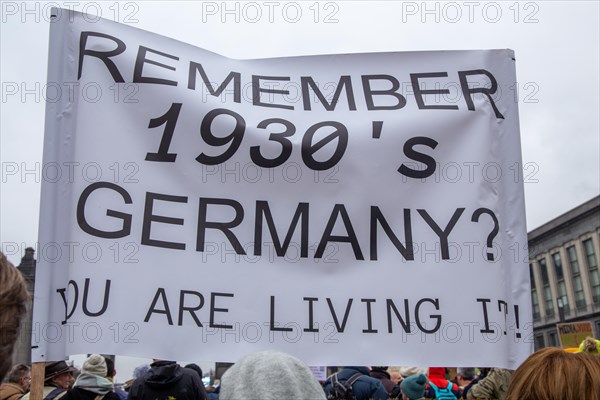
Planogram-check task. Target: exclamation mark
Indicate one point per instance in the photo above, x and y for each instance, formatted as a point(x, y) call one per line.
point(377, 125)
point(518, 334)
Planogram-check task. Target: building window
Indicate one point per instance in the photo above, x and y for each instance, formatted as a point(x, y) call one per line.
point(553, 339)
point(534, 299)
point(539, 342)
point(577, 285)
point(548, 302)
point(535, 305)
point(547, 292)
point(592, 264)
point(544, 271)
point(578, 289)
point(560, 281)
point(557, 266)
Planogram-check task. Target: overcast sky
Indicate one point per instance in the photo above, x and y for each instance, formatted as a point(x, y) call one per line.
point(556, 45)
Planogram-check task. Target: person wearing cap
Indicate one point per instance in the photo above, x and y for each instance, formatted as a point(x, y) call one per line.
point(405, 372)
point(92, 383)
point(413, 387)
point(270, 375)
point(57, 377)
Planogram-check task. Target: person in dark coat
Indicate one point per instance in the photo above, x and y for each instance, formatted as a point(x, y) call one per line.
point(364, 388)
point(167, 380)
point(384, 376)
point(92, 382)
point(196, 368)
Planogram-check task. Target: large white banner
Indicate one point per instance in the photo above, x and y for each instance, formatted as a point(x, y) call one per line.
point(347, 209)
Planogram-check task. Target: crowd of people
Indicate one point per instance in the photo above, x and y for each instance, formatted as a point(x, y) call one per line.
point(549, 373)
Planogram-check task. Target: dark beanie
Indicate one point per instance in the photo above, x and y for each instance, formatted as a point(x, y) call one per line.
point(414, 386)
point(196, 368)
point(379, 368)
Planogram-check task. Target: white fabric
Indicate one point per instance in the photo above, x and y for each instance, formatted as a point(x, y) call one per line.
point(138, 254)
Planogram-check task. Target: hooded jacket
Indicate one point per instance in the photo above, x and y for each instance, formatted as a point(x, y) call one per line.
point(437, 375)
point(167, 380)
point(11, 391)
point(364, 388)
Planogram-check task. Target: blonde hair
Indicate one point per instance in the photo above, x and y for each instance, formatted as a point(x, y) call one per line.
point(553, 374)
point(13, 299)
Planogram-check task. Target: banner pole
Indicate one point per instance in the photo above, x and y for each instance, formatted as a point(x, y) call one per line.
point(37, 380)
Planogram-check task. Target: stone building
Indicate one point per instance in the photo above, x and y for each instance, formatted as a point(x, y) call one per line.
point(565, 276)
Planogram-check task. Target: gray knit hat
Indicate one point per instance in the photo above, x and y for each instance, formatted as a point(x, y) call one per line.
point(409, 371)
point(270, 375)
point(95, 365)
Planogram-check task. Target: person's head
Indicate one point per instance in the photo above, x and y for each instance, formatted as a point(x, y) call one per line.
point(554, 374)
point(408, 371)
point(196, 368)
point(395, 377)
point(590, 345)
point(413, 387)
point(95, 365)
point(20, 375)
point(58, 374)
point(379, 369)
point(13, 300)
point(140, 371)
point(465, 375)
point(73, 377)
point(110, 368)
point(270, 375)
point(437, 372)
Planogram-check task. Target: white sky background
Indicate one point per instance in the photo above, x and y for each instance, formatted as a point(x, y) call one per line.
point(556, 44)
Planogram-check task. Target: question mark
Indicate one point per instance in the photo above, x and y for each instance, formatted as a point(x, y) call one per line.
point(493, 233)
